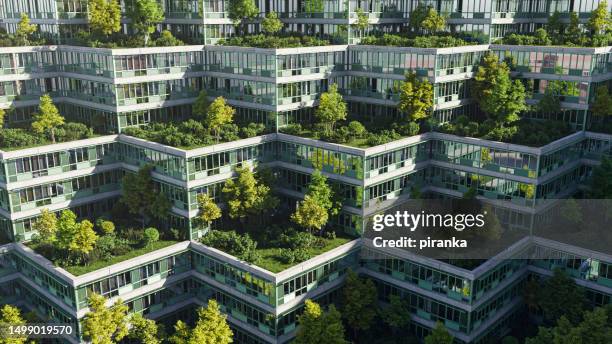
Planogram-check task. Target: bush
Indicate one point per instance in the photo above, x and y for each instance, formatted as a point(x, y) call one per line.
point(12, 138)
point(292, 129)
point(252, 130)
point(73, 131)
point(241, 246)
point(150, 236)
point(434, 41)
point(167, 40)
point(265, 41)
point(105, 226)
point(289, 256)
point(356, 129)
point(408, 129)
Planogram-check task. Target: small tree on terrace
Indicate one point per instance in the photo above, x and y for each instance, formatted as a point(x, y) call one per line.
point(218, 114)
point(66, 229)
point(310, 214)
point(331, 109)
point(105, 325)
point(600, 21)
point(200, 106)
point(24, 30)
point(84, 239)
point(145, 15)
point(241, 10)
point(246, 196)
point(497, 95)
point(209, 211)
point(104, 16)
point(48, 118)
point(417, 16)
point(362, 22)
point(46, 226)
point(2, 116)
point(555, 27)
point(140, 196)
point(271, 24)
point(416, 97)
point(433, 22)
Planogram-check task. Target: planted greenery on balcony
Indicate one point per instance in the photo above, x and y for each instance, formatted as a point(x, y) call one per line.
point(267, 41)
point(47, 127)
point(258, 230)
point(394, 40)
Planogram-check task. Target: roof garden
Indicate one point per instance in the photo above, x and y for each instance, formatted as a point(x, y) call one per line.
point(431, 41)
point(274, 41)
point(192, 134)
point(26, 137)
point(549, 37)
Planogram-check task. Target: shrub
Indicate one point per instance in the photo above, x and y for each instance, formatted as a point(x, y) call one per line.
point(73, 131)
point(241, 246)
point(356, 129)
point(167, 40)
point(292, 129)
point(150, 236)
point(290, 256)
point(341, 135)
point(105, 226)
point(12, 138)
point(408, 129)
point(252, 130)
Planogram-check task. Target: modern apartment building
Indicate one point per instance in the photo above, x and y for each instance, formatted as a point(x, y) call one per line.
point(113, 89)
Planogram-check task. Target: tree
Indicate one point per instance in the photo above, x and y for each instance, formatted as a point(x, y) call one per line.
point(362, 22)
point(550, 102)
point(416, 97)
point(417, 16)
point(439, 335)
point(143, 330)
point(573, 33)
point(241, 10)
point(497, 95)
point(46, 226)
point(397, 314)
point(331, 109)
point(104, 16)
point(602, 106)
point(200, 106)
point(139, 193)
point(150, 236)
point(209, 211)
point(600, 21)
point(433, 22)
point(66, 229)
point(246, 196)
point(10, 315)
point(24, 30)
point(601, 182)
point(310, 214)
point(48, 118)
point(271, 24)
point(593, 329)
point(316, 327)
point(359, 302)
point(560, 296)
point(144, 16)
point(84, 239)
point(211, 327)
point(556, 27)
point(166, 39)
point(218, 114)
point(2, 117)
point(105, 325)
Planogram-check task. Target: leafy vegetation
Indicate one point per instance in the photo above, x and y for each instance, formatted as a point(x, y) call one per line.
point(267, 41)
point(211, 327)
point(596, 33)
point(524, 132)
point(316, 326)
point(434, 41)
